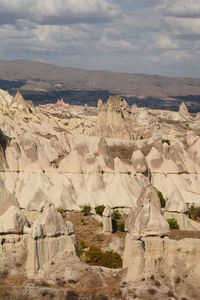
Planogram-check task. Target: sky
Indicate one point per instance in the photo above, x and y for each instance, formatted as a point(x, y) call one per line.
point(134, 36)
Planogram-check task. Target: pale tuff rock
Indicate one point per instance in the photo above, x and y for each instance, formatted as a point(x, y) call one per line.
point(146, 219)
point(139, 162)
point(51, 222)
point(176, 203)
point(49, 235)
point(197, 116)
point(154, 159)
point(157, 256)
point(183, 111)
point(19, 99)
point(4, 140)
point(107, 220)
point(7, 199)
point(12, 221)
point(38, 202)
point(5, 98)
point(104, 151)
point(187, 186)
point(115, 119)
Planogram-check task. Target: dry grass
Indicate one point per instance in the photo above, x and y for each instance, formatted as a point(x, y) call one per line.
point(181, 234)
point(87, 229)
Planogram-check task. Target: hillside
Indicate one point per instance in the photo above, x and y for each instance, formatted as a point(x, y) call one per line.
point(37, 76)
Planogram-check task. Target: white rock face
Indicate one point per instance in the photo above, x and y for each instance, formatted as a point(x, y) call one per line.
point(49, 235)
point(139, 163)
point(183, 111)
point(146, 219)
point(157, 256)
point(107, 220)
point(12, 221)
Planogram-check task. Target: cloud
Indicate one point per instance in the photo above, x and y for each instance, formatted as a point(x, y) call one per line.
point(182, 8)
point(148, 36)
point(116, 45)
point(164, 42)
point(58, 12)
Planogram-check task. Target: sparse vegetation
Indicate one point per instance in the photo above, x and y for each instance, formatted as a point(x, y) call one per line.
point(83, 221)
point(166, 141)
point(170, 293)
point(96, 257)
point(152, 277)
point(194, 213)
point(71, 295)
point(99, 209)
point(81, 246)
point(86, 210)
point(3, 274)
point(152, 291)
point(120, 227)
point(173, 224)
point(157, 283)
point(177, 279)
point(161, 197)
point(116, 215)
point(60, 210)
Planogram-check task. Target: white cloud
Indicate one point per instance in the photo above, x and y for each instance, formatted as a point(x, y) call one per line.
point(59, 11)
point(164, 42)
point(157, 36)
point(182, 8)
point(116, 45)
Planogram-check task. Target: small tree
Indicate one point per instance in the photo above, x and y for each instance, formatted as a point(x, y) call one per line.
point(86, 210)
point(173, 224)
point(99, 209)
point(116, 215)
point(161, 197)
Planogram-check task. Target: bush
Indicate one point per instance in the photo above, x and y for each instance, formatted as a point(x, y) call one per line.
point(83, 221)
point(116, 215)
point(194, 213)
point(96, 257)
point(86, 210)
point(81, 246)
point(177, 279)
point(99, 209)
point(161, 197)
point(60, 210)
point(71, 295)
point(173, 223)
point(166, 141)
point(120, 227)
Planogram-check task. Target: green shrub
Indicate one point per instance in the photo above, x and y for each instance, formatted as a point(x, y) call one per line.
point(96, 257)
point(194, 213)
point(60, 210)
point(81, 246)
point(120, 227)
point(99, 209)
point(161, 197)
point(116, 215)
point(71, 295)
point(166, 141)
point(86, 210)
point(177, 279)
point(83, 221)
point(173, 223)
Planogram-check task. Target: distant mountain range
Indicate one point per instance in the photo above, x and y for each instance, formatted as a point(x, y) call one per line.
point(43, 82)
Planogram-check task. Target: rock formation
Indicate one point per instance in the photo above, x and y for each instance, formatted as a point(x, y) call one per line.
point(49, 235)
point(56, 157)
point(107, 220)
point(183, 111)
point(115, 119)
